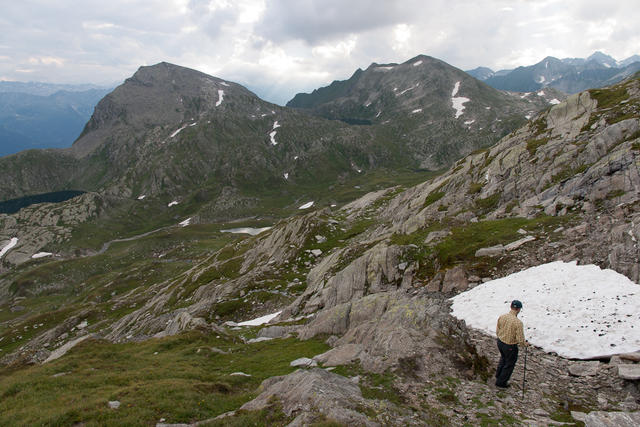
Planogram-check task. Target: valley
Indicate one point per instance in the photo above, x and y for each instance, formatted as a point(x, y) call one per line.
point(145, 287)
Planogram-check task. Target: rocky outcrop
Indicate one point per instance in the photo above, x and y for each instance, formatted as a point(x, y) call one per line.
point(375, 271)
point(305, 393)
point(381, 329)
point(43, 224)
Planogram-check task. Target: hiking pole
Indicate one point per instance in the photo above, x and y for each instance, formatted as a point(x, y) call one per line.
point(524, 375)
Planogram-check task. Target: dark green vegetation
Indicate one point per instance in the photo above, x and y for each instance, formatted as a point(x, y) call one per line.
point(181, 379)
point(460, 246)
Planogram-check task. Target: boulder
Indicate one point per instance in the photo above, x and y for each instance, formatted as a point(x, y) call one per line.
point(315, 390)
point(629, 372)
point(584, 369)
point(341, 355)
point(609, 419)
point(490, 251)
point(455, 279)
point(304, 362)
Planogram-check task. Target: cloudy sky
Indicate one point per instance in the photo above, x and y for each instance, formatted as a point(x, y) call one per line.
point(280, 47)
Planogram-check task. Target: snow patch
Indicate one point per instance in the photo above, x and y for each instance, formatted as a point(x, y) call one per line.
point(142, 197)
point(306, 205)
point(541, 93)
point(41, 255)
point(177, 131)
point(272, 135)
point(175, 202)
point(260, 320)
point(220, 97)
point(458, 102)
point(185, 222)
point(8, 246)
point(224, 84)
point(275, 125)
point(246, 230)
point(406, 90)
point(576, 311)
point(417, 110)
point(415, 64)
point(469, 122)
point(286, 175)
point(380, 68)
point(554, 101)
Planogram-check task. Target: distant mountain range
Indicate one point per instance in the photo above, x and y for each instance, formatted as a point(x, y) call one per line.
point(43, 115)
point(569, 75)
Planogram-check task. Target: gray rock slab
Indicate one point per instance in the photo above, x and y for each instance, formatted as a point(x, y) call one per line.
point(304, 362)
point(259, 339)
point(612, 419)
point(629, 372)
point(515, 245)
point(59, 352)
point(584, 369)
point(490, 251)
point(332, 395)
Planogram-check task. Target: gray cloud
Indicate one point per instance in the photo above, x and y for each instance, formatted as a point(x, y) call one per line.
point(280, 47)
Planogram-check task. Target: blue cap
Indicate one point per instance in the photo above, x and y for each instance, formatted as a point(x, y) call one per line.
point(516, 304)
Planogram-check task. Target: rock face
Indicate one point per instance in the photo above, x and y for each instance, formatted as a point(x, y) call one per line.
point(607, 419)
point(314, 391)
point(381, 329)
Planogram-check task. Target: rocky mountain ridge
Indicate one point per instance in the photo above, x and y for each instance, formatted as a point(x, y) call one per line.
point(170, 136)
point(426, 101)
point(568, 75)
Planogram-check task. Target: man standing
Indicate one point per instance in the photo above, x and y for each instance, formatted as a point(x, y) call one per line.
point(510, 333)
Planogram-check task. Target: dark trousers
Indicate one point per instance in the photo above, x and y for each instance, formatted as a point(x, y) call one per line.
point(508, 358)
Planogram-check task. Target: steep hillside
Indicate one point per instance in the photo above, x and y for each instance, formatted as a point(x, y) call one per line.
point(364, 288)
point(436, 111)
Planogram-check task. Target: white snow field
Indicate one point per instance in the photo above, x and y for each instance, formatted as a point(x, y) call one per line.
point(8, 246)
point(272, 135)
point(246, 230)
point(458, 101)
point(306, 205)
point(220, 97)
point(260, 320)
point(576, 311)
point(175, 202)
point(185, 222)
point(41, 255)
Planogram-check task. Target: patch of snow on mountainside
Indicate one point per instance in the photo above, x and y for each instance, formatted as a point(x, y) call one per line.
point(272, 135)
point(8, 246)
point(41, 255)
point(260, 320)
point(306, 205)
point(458, 101)
point(415, 64)
point(554, 101)
point(576, 311)
point(275, 125)
point(220, 97)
